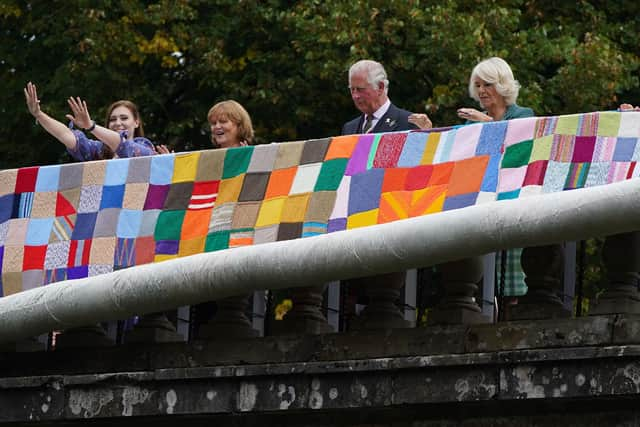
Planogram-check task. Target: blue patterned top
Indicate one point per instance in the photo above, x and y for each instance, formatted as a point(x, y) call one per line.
point(91, 149)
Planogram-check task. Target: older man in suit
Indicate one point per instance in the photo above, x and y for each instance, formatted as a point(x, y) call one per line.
point(369, 85)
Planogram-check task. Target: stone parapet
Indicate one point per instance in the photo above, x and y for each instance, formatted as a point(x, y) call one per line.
point(399, 377)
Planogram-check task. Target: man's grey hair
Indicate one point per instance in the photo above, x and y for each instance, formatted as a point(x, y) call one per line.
point(375, 73)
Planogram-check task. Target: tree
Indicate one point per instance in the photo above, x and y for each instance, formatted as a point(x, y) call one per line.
point(287, 61)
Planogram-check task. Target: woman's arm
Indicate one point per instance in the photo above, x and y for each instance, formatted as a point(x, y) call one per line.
point(136, 147)
point(58, 130)
point(82, 119)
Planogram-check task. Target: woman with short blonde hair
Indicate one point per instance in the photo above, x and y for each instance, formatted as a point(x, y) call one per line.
point(497, 72)
point(492, 84)
point(230, 125)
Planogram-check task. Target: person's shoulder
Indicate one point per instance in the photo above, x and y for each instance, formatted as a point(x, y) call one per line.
point(518, 112)
point(352, 121)
point(351, 126)
point(528, 112)
point(402, 116)
point(394, 109)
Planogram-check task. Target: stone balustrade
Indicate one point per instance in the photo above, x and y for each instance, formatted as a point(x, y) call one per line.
point(466, 347)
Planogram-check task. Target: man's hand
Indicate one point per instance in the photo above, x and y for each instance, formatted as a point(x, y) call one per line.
point(421, 120)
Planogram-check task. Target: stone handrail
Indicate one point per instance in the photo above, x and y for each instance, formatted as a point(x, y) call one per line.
point(72, 221)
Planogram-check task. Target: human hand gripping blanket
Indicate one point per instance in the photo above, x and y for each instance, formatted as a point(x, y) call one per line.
point(79, 220)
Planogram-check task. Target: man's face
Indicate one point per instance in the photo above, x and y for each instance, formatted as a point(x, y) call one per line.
point(366, 98)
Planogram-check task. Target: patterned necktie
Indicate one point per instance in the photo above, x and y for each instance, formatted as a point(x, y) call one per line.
point(368, 123)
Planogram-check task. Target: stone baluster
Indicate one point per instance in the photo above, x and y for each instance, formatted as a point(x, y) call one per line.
point(27, 345)
point(153, 328)
point(542, 266)
point(230, 320)
point(460, 284)
point(83, 336)
point(382, 310)
point(621, 255)
point(305, 315)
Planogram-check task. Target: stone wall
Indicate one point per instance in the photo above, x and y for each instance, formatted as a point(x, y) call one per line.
point(583, 371)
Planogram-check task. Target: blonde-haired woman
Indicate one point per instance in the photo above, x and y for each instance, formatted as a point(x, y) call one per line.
point(492, 84)
point(230, 125)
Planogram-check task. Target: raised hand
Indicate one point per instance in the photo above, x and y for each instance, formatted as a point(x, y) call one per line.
point(81, 117)
point(57, 129)
point(31, 96)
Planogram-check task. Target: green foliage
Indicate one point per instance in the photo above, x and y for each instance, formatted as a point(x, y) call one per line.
point(593, 270)
point(287, 61)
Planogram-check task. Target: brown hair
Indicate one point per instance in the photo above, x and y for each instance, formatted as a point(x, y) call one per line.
point(131, 107)
point(236, 113)
point(106, 152)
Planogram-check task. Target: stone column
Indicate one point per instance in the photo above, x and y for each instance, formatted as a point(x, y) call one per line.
point(382, 310)
point(542, 266)
point(230, 320)
point(83, 336)
point(621, 255)
point(460, 284)
point(153, 328)
point(27, 345)
point(305, 316)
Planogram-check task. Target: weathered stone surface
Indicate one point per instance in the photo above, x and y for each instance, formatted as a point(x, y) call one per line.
point(32, 400)
point(617, 419)
point(432, 340)
point(542, 333)
point(626, 329)
point(572, 378)
point(465, 375)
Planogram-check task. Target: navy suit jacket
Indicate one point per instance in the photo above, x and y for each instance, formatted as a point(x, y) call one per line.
point(394, 120)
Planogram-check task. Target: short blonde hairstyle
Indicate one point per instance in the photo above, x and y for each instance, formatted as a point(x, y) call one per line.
point(497, 72)
point(236, 113)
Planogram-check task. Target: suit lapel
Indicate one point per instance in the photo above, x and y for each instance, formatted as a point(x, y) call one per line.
point(360, 122)
point(388, 122)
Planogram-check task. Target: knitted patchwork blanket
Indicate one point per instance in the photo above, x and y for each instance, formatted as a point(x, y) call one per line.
point(70, 221)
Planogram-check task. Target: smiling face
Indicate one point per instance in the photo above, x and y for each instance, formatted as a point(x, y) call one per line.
point(230, 125)
point(488, 96)
point(122, 118)
point(224, 132)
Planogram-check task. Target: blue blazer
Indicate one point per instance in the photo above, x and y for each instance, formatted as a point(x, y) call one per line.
point(394, 120)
